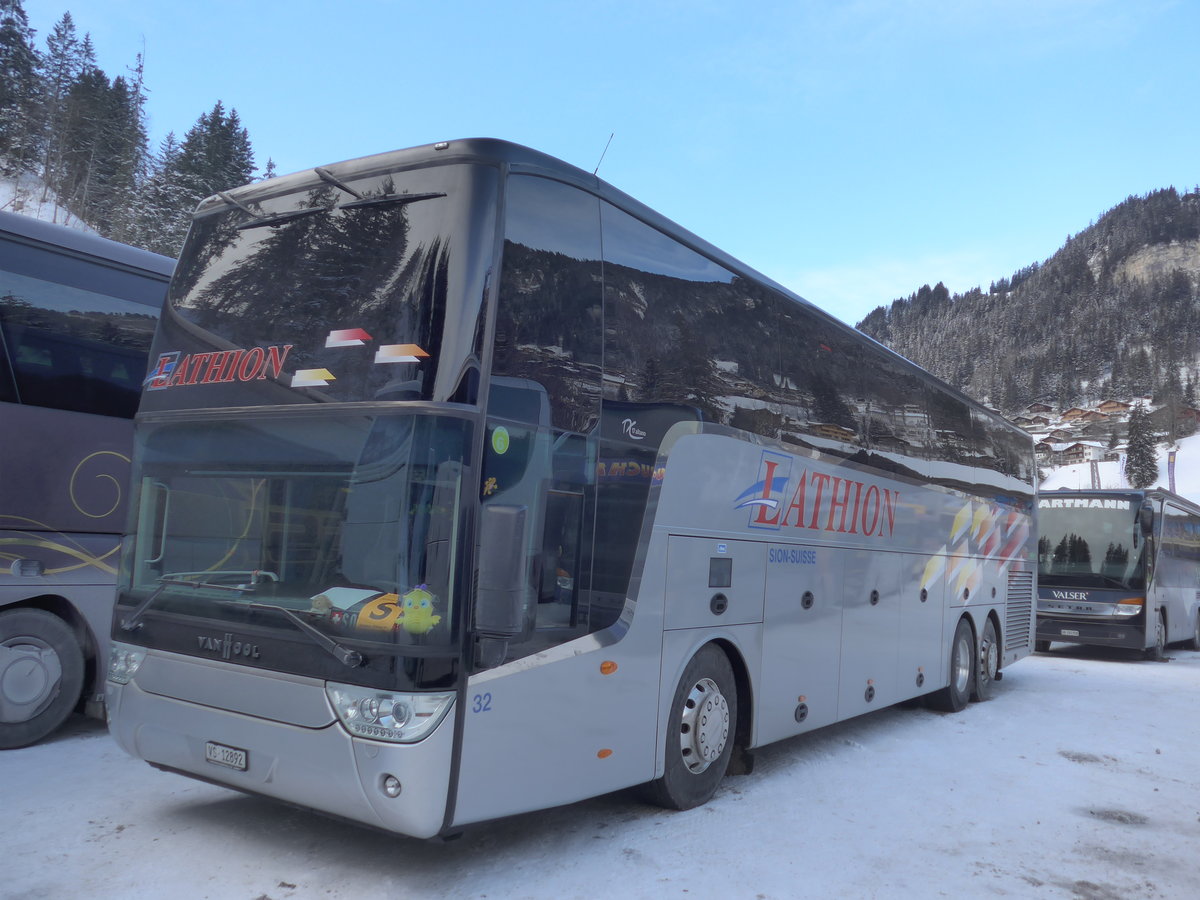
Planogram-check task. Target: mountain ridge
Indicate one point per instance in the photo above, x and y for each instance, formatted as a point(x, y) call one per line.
point(1114, 312)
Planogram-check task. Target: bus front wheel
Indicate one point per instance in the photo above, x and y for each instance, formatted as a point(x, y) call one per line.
point(41, 675)
point(700, 739)
point(963, 665)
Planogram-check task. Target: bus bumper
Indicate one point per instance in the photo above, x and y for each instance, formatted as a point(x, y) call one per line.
point(325, 768)
point(1123, 631)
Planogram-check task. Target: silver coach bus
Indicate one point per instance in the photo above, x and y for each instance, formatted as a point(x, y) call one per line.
point(1118, 569)
point(467, 485)
point(77, 314)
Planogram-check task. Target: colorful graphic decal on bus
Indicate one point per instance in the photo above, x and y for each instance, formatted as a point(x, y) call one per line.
point(350, 337)
point(312, 378)
point(981, 534)
point(218, 367)
point(817, 501)
point(399, 353)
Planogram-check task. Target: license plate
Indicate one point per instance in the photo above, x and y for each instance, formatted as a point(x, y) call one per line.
point(1067, 632)
point(230, 757)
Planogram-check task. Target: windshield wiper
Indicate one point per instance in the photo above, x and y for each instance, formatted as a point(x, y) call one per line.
point(389, 198)
point(259, 220)
point(280, 218)
point(347, 657)
point(132, 621)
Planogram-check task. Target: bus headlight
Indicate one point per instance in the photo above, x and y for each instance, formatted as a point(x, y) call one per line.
point(1130, 606)
point(383, 716)
point(123, 662)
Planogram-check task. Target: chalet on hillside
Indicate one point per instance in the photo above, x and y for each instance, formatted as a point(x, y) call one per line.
point(1073, 413)
point(1037, 408)
point(1114, 407)
point(1081, 452)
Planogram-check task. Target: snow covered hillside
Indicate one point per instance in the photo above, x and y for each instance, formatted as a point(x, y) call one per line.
point(1112, 474)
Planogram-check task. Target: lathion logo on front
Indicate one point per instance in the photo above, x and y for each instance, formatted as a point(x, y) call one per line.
point(763, 498)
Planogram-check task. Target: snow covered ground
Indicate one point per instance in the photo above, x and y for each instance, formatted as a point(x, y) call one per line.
point(1081, 779)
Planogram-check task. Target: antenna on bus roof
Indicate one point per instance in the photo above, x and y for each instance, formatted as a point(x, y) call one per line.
point(597, 169)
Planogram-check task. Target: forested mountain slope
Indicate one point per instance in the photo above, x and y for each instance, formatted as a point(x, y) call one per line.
point(1114, 313)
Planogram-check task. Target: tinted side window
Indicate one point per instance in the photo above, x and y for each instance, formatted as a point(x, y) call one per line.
point(70, 347)
point(549, 319)
point(544, 403)
point(820, 383)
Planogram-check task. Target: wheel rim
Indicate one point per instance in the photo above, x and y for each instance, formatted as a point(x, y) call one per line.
point(704, 726)
point(30, 671)
point(962, 664)
point(989, 657)
point(1160, 636)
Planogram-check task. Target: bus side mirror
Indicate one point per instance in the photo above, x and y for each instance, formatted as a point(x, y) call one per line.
point(1146, 519)
point(500, 599)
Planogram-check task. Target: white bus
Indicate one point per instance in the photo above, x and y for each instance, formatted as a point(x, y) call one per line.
point(468, 486)
point(1118, 569)
point(77, 314)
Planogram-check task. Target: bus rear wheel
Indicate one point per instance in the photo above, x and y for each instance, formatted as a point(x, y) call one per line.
point(963, 665)
point(1194, 643)
point(41, 675)
point(989, 663)
point(702, 727)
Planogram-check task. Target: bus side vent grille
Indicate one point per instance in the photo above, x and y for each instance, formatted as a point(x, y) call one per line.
point(1018, 622)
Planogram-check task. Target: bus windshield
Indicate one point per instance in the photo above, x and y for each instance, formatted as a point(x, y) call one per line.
point(349, 522)
point(1090, 542)
point(371, 299)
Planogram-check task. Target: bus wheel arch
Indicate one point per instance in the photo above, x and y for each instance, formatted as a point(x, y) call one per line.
point(963, 665)
point(42, 673)
point(988, 654)
point(701, 731)
point(1158, 652)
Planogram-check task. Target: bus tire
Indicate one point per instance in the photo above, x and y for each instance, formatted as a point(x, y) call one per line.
point(989, 663)
point(701, 733)
point(1158, 652)
point(1194, 643)
point(963, 665)
point(41, 675)
point(1041, 646)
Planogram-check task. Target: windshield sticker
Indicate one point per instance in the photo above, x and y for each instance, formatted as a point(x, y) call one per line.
point(312, 378)
point(399, 353)
point(350, 337)
point(218, 367)
point(417, 614)
point(500, 440)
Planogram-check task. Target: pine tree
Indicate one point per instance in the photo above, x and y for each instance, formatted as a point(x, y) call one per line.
point(1141, 463)
point(19, 90)
point(215, 154)
point(62, 63)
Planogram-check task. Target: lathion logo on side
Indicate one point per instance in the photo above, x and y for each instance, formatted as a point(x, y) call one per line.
point(764, 497)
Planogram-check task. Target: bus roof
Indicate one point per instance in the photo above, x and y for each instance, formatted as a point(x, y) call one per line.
point(72, 240)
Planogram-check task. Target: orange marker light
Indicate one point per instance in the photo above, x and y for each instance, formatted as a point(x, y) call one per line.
point(604, 754)
point(608, 667)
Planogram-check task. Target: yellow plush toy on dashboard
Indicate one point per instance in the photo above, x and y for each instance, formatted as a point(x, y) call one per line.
point(417, 616)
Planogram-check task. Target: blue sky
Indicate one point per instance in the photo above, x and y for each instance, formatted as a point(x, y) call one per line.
point(852, 151)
